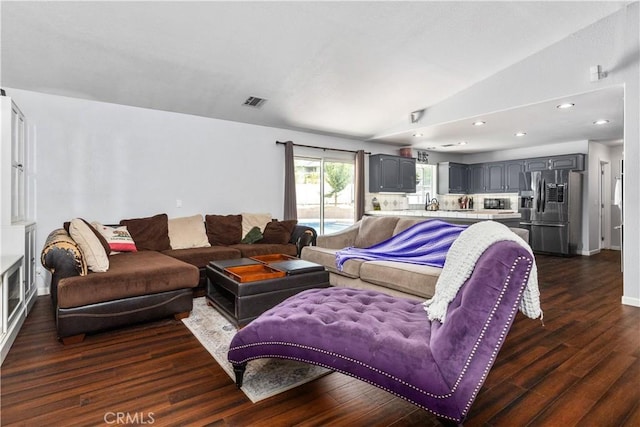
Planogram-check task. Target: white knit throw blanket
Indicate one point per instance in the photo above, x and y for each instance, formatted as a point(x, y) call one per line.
point(461, 260)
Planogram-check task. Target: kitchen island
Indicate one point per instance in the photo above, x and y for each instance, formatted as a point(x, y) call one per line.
point(467, 216)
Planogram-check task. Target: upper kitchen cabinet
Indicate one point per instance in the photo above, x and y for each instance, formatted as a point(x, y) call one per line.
point(495, 177)
point(512, 170)
point(392, 174)
point(477, 174)
point(14, 166)
point(570, 161)
point(453, 178)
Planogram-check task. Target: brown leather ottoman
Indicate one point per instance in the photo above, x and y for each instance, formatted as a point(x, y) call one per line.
point(241, 302)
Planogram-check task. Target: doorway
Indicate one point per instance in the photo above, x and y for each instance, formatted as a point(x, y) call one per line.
point(604, 203)
point(325, 193)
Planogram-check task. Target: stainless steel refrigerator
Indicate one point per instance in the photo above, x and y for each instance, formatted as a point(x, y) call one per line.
point(550, 203)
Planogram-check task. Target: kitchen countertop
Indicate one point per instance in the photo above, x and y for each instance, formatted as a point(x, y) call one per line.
point(466, 214)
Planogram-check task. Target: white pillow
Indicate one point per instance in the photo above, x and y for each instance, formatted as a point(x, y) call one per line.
point(93, 251)
point(250, 220)
point(188, 232)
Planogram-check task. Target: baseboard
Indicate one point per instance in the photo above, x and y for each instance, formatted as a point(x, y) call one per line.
point(635, 302)
point(615, 248)
point(589, 253)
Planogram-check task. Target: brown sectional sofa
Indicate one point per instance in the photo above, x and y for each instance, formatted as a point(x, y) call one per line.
point(391, 277)
point(151, 283)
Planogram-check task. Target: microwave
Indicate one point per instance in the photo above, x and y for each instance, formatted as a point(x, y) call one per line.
point(491, 203)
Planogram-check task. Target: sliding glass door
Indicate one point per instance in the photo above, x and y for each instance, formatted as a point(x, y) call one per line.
point(325, 193)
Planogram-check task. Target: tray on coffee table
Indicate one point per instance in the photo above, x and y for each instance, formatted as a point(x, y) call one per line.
point(253, 273)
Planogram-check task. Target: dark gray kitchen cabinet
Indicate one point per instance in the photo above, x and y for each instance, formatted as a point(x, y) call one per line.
point(541, 164)
point(569, 161)
point(453, 178)
point(512, 175)
point(408, 177)
point(392, 174)
point(572, 161)
point(476, 178)
point(494, 177)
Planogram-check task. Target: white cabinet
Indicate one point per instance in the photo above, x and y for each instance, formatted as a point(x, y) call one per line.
point(14, 164)
point(17, 226)
point(30, 258)
point(12, 309)
point(18, 193)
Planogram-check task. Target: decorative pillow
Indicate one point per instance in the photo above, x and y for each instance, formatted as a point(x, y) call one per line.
point(224, 230)
point(250, 220)
point(279, 232)
point(118, 238)
point(60, 239)
point(252, 236)
point(101, 238)
point(151, 233)
point(188, 232)
point(374, 230)
point(89, 244)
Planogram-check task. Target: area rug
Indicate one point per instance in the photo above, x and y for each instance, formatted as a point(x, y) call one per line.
point(264, 377)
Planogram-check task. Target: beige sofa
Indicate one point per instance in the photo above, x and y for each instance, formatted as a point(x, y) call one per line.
point(391, 277)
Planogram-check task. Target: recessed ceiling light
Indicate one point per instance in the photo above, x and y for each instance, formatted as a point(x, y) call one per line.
point(520, 133)
point(462, 143)
point(565, 105)
point(601, 122)
point(417, 135)
point(479, 123)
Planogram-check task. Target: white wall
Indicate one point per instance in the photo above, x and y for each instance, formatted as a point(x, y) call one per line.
point(106, 162)
point(561, 70)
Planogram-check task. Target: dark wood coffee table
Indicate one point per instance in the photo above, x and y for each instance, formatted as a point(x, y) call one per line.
point(239, 291)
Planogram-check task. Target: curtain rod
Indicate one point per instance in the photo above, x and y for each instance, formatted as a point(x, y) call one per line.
point(322, 148)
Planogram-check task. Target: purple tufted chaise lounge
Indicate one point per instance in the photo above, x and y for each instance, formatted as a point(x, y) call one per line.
point(389, 341)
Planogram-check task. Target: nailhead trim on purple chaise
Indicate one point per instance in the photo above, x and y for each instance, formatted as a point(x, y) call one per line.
point(389, 342)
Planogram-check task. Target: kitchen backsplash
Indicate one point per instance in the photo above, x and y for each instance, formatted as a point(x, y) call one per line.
point(388, 201)
point(394, 202)
point(450, 201)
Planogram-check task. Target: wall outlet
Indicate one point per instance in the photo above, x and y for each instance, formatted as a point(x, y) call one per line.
point(178, 203)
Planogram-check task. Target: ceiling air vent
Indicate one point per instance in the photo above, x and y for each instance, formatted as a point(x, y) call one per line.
point(447, 145)
point(254, 101)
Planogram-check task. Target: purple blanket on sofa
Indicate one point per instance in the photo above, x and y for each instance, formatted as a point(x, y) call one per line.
point(424, 243)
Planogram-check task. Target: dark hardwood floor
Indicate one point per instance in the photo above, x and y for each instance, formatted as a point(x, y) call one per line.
point(581, 368)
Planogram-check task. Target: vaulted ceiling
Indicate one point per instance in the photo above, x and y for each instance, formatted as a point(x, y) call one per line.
point(346, 68)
